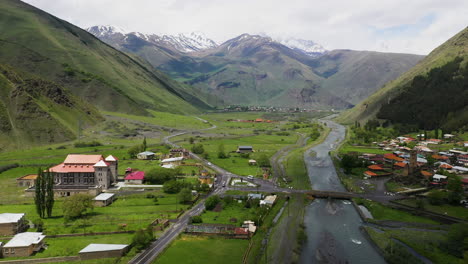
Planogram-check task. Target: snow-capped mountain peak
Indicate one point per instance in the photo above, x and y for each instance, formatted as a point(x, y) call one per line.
point(307, 46)
point(105, 30)
point(185, 42)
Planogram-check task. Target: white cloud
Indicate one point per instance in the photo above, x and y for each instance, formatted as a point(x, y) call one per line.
point(332, 23)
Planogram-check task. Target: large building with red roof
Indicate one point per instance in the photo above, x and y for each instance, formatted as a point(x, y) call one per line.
point(81, 173)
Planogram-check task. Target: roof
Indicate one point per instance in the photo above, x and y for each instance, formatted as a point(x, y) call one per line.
point(245, 147)
point(111, 158)
point(82, 159)
point(25, 239)
point(102, 247)
point(136, 175)
point(459, 168)
point(63, 168)
point(438, 176)
point(445, 166)
point(28, 177)
point(147, 153)
point(168, 166)
point(439, 157)
point(172, 159)
point(101, 163)
point(426, 173)
point(104, 196)
point(270, 198)
point(10, 218)
point(252, 161)
point(375, 167)
point(400, 164)
point(241, 231)
point(370, 173)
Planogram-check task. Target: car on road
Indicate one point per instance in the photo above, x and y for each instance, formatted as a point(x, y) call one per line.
point(250, 177)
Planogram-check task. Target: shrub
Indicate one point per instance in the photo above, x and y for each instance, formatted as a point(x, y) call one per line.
point(211, 202)
point(196, 219)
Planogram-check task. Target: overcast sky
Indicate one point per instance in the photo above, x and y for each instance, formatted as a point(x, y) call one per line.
point(409, 26)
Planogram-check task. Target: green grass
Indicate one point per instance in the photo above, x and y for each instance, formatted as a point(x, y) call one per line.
point(136, 211)
point(348, 148)
point(262, 144)
point(234, 210)
point(201, 250)
point(423, 242)
point(164, 119)
point(382, 212)
point(446, 209)
point(70, 246)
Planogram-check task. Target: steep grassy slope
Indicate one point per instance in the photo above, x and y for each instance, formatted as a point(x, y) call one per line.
point(354, 75)
point(457, 46)
point(36, 42)
point(33, 110)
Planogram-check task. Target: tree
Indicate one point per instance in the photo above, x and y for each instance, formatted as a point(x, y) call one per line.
point(196, 219)
point(143, 145)
point(142, 238)
point(348, 162)
point(75, 206)
point(44, 194)
point(191, 140)
point(133, 151)
point(263, 161)
point(457, 239)
point(436, 197)
point(198, 149)
point(185, 195)
point(39, 198)
point(455, 187)
point(49, 193)
point(211, 202)
point(160, 175)
point(171, 186)
point(221, 153)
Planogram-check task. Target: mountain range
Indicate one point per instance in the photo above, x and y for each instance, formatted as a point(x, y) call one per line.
point(258, 70)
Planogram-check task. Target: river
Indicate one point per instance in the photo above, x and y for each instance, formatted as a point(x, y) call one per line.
point(332, 226)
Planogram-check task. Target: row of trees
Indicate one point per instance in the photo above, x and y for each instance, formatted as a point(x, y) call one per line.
point(44, 196)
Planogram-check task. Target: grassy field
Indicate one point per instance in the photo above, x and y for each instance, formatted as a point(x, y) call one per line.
point(348, 148)
point(198, 250)
point(382, 212)
point(70, 246)
point(165, 119)
point(135, 210)
point(450, 210)
point(262, 144)
point(424, 242)
point(233, 210)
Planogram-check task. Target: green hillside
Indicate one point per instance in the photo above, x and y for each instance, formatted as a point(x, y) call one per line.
point(35, 42)
point(457, 46)
point(33, 110)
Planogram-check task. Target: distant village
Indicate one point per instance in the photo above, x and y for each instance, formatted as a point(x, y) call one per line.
point(421, 161)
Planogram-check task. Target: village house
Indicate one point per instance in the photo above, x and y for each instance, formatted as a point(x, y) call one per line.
point(136, 177)
point(11, 224)
point(24, 244)
point(104, 199)
point(269, 200)
point(28, 180)
point(95, 251)
point(146, 155)
point(462, 159)
point(180, 152)
point(244, 149)
point(83, 174)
